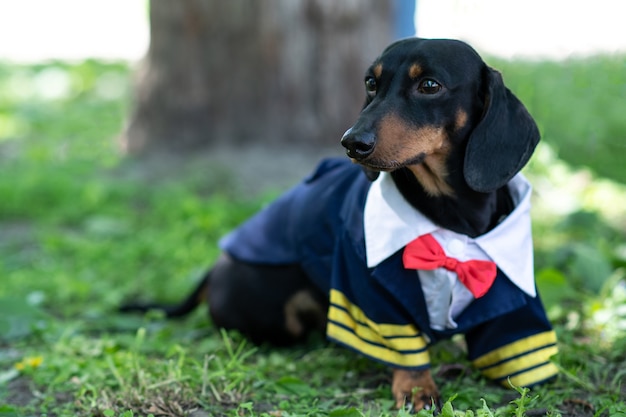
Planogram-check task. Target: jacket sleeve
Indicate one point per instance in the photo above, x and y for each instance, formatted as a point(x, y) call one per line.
point(515, 347)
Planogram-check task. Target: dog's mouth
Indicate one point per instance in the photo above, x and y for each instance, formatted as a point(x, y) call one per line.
point(384, 165)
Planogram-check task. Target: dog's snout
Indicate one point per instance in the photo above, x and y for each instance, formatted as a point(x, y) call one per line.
point(358, 145)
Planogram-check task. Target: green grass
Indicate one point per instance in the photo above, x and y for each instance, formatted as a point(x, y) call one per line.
point(82, 229)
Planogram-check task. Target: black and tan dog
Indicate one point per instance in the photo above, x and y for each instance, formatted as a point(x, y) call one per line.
point(432, 241)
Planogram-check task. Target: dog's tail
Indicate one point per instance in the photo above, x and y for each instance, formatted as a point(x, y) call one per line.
point(195, 298)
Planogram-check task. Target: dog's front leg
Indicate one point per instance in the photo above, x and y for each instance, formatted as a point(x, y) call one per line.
point(414, 387)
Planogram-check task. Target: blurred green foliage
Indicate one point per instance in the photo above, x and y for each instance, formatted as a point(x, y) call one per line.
point(82, 228)
point(579, 106)
point(55, 111)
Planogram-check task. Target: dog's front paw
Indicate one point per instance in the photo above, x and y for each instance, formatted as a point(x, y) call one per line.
point(415, 389)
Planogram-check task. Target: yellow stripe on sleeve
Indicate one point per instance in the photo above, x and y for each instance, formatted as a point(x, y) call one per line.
point(514, 366)
point(516, 348)
point(532, 376)
point(525, 362)
point(400, 345)
point(386, 330)
point(382, 353)
point(365, 332)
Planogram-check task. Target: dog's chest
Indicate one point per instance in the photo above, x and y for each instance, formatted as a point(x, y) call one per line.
point(390, 223)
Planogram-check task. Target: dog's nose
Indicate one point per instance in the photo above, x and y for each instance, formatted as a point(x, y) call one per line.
point(358, 145)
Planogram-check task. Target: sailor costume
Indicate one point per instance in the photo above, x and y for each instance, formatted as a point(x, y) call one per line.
point(349, 234)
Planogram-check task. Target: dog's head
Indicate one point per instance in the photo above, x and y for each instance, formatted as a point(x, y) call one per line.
point(429, 99)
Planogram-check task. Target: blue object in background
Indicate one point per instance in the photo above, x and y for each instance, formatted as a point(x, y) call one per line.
point(404, 18)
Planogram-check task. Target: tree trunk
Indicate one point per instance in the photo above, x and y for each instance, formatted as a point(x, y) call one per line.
point(254, 71)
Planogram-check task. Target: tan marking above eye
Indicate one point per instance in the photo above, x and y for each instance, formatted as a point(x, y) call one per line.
point(378, 70)
point(415, 71)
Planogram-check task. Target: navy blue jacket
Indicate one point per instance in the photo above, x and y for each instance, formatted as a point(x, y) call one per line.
point(380, 311)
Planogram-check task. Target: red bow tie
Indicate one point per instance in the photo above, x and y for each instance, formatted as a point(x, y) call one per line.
point(425, 253)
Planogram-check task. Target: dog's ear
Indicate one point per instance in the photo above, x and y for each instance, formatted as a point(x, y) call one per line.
point(502, 142)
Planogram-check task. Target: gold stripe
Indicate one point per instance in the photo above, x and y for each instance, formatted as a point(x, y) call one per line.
point(365, 332)
point(533, 376)
point(379, 352)
point(516, 348)
point(523, 362)
point(342, 317)
point(385, 330)
point(385, 342)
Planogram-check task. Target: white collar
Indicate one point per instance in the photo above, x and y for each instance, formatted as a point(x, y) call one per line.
point(390, 223)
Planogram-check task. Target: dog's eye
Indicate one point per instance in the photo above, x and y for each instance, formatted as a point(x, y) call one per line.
point(429, 87)
point(370, 86)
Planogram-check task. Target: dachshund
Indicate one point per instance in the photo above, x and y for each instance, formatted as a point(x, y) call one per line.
point(423, 232)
